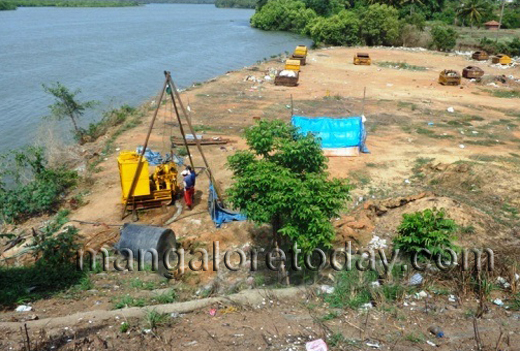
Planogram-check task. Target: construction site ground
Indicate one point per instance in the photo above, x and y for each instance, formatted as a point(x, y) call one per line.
point(456, 148)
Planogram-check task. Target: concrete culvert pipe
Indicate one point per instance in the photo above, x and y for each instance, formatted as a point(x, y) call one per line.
point(147, 242)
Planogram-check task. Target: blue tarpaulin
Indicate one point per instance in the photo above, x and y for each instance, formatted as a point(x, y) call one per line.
point(155, 158)
point(334, 133)
point(220, 215)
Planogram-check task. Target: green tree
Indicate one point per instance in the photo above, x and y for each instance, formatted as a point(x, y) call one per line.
point(281, 180)
point(67, 106)
point(471, 11)
point(340, 29)
point(444, 38)
point(380, 25)
point(286, 15)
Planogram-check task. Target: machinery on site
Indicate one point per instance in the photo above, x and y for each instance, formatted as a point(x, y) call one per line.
point(449, 77)
point(362, 58)
point(300, 53)
point(152, 189)
point(143, 188)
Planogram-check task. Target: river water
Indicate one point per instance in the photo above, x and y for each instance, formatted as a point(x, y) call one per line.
point(117, 55)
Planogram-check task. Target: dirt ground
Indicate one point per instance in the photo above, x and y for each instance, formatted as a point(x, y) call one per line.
point(421, 155)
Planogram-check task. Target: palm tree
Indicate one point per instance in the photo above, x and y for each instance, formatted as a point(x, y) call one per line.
point(412, 3)
point(471, 11)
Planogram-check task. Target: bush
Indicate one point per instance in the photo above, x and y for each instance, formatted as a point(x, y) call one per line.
point(429, 230)
point(511, 48)
point(340, 29)
point(443, 37)
point(54, 271)
point(511, 19)
point(28, 187)
point(286, 15)
point(380, 25)
point(110, 119)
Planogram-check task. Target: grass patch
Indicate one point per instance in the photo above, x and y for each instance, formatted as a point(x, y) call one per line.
point(139, 284)
point(154, 319)
point(504, 94)
point(431, 134)
point(128, 301)
point(361, 177)
point(415, 337)
point(168, 297)
point(400, 65)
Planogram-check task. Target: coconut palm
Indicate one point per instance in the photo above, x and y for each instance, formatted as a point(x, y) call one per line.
point(471, 11)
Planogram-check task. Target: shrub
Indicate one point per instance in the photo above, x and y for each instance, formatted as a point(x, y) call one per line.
point(443, 37)
point(339, 29)
point(287, 15)
point(511, 19)
point(28, 187)
point(110, 119)
point(429, 229)
point(380, 25)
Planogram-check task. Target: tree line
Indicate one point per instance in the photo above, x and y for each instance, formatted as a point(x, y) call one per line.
point(242, 4)
point(13, 4)
point(378, 22)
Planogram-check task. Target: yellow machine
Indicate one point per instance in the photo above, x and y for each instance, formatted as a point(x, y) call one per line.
point(502, 59)
point(292, 65)
point(300, 54)
point(150, 190)
point(362, 58)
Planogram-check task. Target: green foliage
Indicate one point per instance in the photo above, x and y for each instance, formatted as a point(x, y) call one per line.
point(69, 3)
point(66, 106)
point(352, 289)
point(110, 119)
point(288, 15)
point(511, 18)
point(444, 38)
point(54, 271)
point(473, 12)
point(155, 319)
point(491, 46)
point(429, 229)
point(340, 29)
point(169, 296)
point(7, 5)
point(28, 186)
point(325, 7)
point(128, 301)
point(400, 65)
point(124, 327)
point(380, 25)
point(282, 181)
point(242, 4)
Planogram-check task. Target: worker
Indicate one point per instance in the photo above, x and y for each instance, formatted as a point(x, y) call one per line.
point(189, 187)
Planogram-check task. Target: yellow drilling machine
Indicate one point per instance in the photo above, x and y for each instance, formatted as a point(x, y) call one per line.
point(151, 190)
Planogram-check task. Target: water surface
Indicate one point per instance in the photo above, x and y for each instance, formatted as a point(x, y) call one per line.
point(118, 55)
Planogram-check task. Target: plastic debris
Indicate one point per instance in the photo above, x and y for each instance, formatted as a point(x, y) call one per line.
point(436, 331)
point(452, 298)
point(366, 306)
point(498, 302)
point(462, 146)
point(502, 281)
point(431, 343)
point(23, 308)
point(373, 345)
point(421, 295)
point(430, 123)
point(407, 181)
point(450, 109)
point(416, 279)
point(316, 345)
point(375, 284)
point(213, 312)
point(327, 289)
point(377, 243)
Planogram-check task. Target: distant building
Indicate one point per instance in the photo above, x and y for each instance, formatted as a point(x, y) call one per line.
point(492, 25)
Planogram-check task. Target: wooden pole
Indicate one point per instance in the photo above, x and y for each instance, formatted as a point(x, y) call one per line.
point(197, 141)
point(292, 106)
point(141, 156)
point(180, 123)
point(363, 106)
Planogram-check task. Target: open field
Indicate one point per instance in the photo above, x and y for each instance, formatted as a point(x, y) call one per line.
point(466, 161)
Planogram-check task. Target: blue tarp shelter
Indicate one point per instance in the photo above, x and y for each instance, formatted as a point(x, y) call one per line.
point(219, 214)
point(334, 133)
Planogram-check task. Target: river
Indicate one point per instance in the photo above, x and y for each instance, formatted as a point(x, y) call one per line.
point(117, 55)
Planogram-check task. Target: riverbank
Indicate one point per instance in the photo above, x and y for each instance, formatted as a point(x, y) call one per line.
point(431, 145)
point(13, 4)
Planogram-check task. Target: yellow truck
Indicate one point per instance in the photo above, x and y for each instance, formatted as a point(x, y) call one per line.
point(159, 188)
point(300, 53)
point(292, 65)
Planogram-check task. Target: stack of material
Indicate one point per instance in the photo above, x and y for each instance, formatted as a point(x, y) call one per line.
point(472, 72)
point(480, 56)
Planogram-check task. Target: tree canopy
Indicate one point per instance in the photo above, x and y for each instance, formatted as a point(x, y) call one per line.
point(282, 180)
